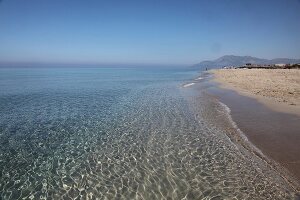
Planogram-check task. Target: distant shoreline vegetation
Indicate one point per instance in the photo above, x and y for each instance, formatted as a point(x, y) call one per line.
point(256, 66)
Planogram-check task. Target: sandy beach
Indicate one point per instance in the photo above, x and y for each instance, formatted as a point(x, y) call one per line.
point(275, 133)
point(279, 89)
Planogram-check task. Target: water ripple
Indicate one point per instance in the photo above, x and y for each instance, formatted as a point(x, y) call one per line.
point(144, 144)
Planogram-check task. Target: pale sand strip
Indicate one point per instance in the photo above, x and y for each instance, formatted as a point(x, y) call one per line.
point(279, 89)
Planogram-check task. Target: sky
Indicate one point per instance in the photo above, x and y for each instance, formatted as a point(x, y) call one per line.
point(167, 32)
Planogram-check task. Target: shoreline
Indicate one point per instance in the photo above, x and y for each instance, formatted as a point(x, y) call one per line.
point(259, 131)
point(241, 139)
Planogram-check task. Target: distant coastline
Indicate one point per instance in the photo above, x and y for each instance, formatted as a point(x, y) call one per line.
point(233, 60)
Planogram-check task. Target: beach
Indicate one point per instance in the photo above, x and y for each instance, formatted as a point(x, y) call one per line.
point(264, 103)
point(279, 89)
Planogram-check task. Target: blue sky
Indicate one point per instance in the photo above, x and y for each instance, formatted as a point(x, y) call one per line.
point(147, 32)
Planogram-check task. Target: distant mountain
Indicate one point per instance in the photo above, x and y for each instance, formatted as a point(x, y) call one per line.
point(231, 60)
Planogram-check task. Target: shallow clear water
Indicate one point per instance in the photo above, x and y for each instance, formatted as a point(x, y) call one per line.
point(100, 133)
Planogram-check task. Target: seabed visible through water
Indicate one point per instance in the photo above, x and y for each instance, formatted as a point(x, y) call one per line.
point(130, 138)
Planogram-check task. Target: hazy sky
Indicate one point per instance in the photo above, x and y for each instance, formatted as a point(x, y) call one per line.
point(146, 31)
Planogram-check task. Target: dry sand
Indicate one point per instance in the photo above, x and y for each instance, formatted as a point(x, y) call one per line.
point(276, 134)
point(279, 89)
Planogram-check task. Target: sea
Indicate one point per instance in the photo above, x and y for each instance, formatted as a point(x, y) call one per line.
point(123, 133)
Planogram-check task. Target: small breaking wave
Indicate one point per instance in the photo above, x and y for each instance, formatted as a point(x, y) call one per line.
point(188, 84)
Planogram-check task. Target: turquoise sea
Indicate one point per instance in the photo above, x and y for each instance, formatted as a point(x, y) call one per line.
point(122, 133)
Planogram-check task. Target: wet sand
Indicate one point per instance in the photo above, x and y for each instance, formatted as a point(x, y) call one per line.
point(279, 89)
point(276, 134)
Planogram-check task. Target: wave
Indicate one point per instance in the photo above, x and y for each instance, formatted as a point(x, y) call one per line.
point(188, 84)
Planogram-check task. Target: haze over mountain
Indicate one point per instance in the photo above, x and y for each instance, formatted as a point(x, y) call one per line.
point(231, 60)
